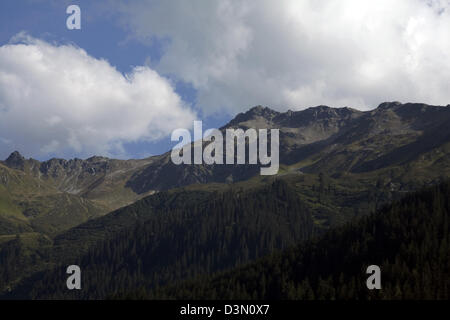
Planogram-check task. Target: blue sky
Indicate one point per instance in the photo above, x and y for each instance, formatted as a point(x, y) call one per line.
point(137, 70)
point(102, 37)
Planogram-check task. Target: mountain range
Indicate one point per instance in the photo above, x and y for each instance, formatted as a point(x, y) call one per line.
point(339, 142)
point(340, 163)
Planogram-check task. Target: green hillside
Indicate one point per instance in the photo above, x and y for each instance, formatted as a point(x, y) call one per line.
point(29, 204)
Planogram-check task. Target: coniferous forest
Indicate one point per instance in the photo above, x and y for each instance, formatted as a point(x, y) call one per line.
point(256, 245)
point(408, 239)
point(180, 242)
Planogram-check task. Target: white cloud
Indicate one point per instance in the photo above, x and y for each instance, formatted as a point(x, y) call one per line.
point(298, 53)
point(57, 99)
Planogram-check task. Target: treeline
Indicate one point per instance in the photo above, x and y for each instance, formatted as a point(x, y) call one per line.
point(408, 239)
point(180, 242)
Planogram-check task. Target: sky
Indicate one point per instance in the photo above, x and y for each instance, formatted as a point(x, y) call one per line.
point(137, 70)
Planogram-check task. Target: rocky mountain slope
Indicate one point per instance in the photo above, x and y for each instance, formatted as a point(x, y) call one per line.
point(400, 145)
point(57, 194)
point(324, 139)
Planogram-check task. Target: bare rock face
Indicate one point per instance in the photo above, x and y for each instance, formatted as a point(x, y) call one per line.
point(15, 161)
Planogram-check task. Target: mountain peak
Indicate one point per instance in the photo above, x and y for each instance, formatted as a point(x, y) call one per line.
point(257, 111)
point(323, 109)
point(257, 108)
point(97, 159)
point(326, 112)
point(15, 160)
point(16, 154)
point(389, 105)
point(260, 110)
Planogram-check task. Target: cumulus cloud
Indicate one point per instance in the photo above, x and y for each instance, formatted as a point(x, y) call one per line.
point(299, 53)
point(57, 99)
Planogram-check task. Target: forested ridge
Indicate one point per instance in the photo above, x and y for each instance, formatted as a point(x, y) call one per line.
point(223, 231)
point(256, 244)
point(408, 239)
